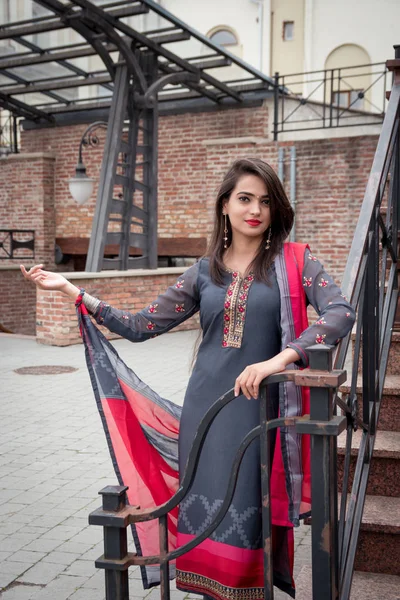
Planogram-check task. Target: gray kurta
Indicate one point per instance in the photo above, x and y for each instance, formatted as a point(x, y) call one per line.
point(241, 325)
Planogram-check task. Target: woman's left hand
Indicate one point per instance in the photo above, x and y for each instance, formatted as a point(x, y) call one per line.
point(249, 380)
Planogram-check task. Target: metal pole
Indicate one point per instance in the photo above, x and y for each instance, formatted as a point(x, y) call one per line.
point(276, 105)
point(331, 102)
point(164, 566)
point(15, 134)
point(98, 236)
point(293, 190)
point(281, 165)
point(323, 485)
point(266, 496)
point(115, 544)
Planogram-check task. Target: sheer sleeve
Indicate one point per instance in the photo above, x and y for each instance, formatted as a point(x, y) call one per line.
point(336, 316)
point(177, 304)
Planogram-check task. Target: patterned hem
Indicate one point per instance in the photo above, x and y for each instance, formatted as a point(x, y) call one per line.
point(192, 582)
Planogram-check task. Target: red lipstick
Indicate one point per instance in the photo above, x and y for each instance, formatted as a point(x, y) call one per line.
point(253, 222)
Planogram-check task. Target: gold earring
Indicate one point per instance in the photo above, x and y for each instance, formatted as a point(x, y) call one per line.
point(225, 232)
point(268, 244)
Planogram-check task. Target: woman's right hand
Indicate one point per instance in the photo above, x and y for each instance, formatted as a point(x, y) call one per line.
point(47, 280)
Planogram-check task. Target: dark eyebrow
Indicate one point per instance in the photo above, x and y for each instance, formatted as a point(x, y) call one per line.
point(250, 194)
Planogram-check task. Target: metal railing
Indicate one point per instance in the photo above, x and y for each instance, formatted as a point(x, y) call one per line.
point(9, 133)
point(323, 426)
point(17, 243)
point(371, 283)
point(342, 97)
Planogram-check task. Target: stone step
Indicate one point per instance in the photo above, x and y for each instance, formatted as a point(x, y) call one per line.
point(384, 475)
point(378, 548)
point(393, 367)
point(389, 418)
point(366, 586)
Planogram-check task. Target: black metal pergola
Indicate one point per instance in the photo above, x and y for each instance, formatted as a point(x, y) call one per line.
point(144, 65)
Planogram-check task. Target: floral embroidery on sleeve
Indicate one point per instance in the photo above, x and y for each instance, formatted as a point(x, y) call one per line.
point(151, 326)
point(153, 308)
point(336, 316)
point(179, 284)
point(180, 308)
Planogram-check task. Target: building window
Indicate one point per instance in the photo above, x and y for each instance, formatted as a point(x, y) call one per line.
point(349, 98)
point(224, 37)
point(288, 31)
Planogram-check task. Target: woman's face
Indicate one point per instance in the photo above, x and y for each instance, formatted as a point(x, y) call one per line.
point(248, 207)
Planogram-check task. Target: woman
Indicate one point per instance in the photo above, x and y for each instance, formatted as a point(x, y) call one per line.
point(251, 290)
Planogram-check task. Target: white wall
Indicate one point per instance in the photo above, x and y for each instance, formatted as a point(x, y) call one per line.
point(372, 24)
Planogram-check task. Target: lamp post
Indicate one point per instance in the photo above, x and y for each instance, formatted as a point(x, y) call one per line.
point(81, 186)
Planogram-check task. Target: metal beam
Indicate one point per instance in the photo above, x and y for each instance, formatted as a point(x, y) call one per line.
point(42, 27)
point(63, 12)
point(135, 35)
point(160, 10)
point(190, 84)
point(169, 38)
point(43, 87)
point(107, 174)
point(122, 44)
point(73, 107)
point(16, 106)
point(45, 57)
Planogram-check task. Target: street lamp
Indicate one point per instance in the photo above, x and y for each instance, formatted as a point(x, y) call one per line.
point(81, 186)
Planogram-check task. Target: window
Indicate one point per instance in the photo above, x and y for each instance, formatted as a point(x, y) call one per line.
point(349, 98)
point(288, 31)
point(224, 37)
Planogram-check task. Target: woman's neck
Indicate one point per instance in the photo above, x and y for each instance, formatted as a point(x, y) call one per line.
point(241, 254)
point(244, 248)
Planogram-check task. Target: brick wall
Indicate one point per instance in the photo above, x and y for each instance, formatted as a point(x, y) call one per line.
point(182, 167)
point(194, 152)
point(27, 201)
point(56, 322)
point(18, 303)
point(331, 176)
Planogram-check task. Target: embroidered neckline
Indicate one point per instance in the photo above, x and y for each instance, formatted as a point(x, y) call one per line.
point(235, 309)
point(237, 273)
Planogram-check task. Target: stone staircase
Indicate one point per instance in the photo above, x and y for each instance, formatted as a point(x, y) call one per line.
point(377, 566)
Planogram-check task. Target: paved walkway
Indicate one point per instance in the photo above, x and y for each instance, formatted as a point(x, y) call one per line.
point(54, 460)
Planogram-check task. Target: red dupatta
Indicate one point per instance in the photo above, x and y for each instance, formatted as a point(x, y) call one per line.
point(142, 432)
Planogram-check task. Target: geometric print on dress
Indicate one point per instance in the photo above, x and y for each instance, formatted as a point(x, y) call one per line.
point(236, 520)
point(107, 380)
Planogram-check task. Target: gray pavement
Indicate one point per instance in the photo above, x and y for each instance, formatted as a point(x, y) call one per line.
point(54, 459)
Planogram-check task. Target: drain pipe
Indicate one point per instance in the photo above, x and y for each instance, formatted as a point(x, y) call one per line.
point(281, 160)
point(293, 189)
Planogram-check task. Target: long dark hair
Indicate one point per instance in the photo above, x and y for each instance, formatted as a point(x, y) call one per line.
point(282, 216)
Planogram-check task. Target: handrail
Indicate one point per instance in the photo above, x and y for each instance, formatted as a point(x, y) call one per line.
point(116, 515)
point(370, 282)
point(318, 92)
